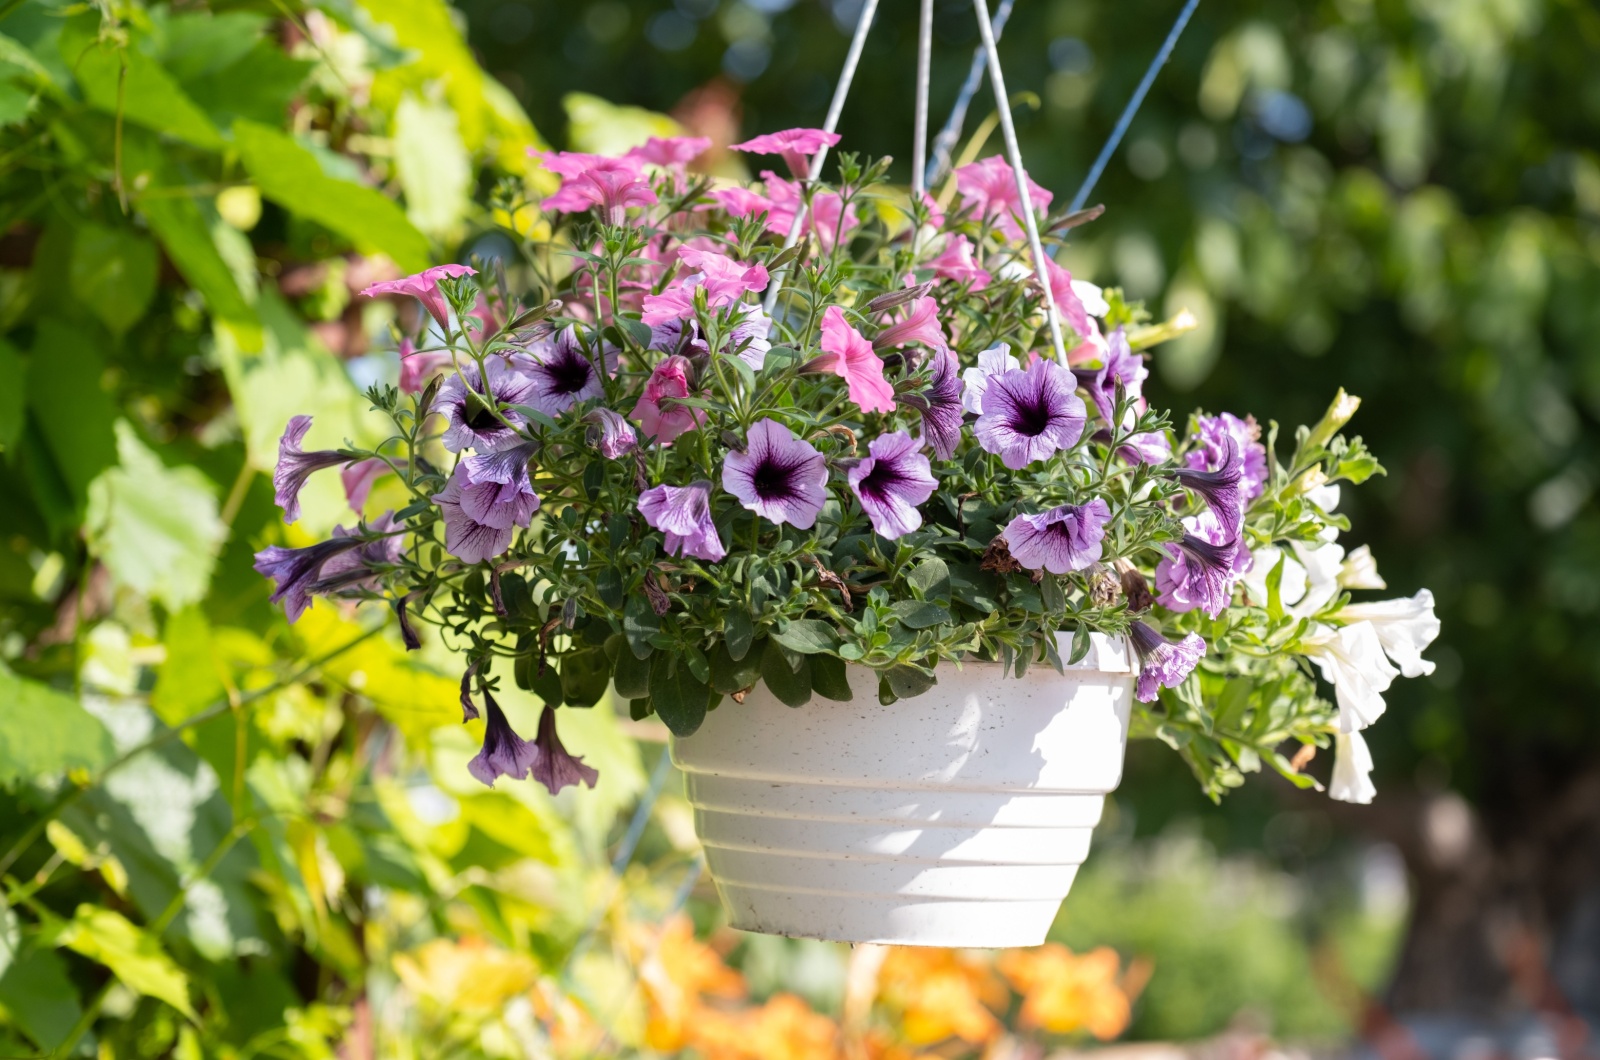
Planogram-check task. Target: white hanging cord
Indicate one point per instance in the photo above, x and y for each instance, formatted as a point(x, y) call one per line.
point(919, 142)
point(840, 91)
point(1003, 103)
point(945, 143)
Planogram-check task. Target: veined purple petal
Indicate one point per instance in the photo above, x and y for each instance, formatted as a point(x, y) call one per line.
point(556, 767)
point(295, 569)
point(1030, 415)
point(296, 466)
point(562, 372)
point(1201, 570)
point(469, 422)
point(1063, 539)
point(496, 490)
point(382, 546)
point(683, 513)
point(465, 537)
point(504, 754)
point(610, 433)
point(891, 483)
point(941, 420)
point(991, 362)
point(1222, 488)
point(1209, 451)
point(778, 476)
point(1163, 664)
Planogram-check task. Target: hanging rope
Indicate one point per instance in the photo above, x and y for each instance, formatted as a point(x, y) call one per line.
point(919, 133)
point(945, 143)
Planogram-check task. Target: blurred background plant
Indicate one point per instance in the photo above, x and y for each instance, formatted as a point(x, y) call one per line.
point(219, 836)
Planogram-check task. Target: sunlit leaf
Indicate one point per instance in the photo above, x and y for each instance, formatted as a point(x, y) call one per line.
point(44, 731)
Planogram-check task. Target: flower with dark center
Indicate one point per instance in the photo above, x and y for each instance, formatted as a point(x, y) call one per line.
point(556, 767)
point(1030, 415)
point(683, 513)
point(795, 146)
point(562, 372)
point(504, 754)
point(1063, 539)
point(1200, 571)
point(891, 483)
point(296, 569)
point(941, 407)
point(295, 466)
point(424, 286)
point(778, 476)
point(466, 538)
point(496, 490)
point(1209, 451)
point(609, 433)
point(470, 421)
point(921, 324)
point(1221, 488)
point(1163, 664)
point(663, 423)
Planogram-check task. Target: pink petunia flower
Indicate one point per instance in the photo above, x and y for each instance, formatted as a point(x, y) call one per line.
point(921, 324)
point(829, 219)
point(670, 152)
point(725, 282)
point(1068, 304)
point(358, 478)
point(742, 202)
point(956, 263)
point(424, 286)
point(795, 145)
point(670, 379)
point(417, 368)
point(991, 186)
point(848, 355)
point(612, 184)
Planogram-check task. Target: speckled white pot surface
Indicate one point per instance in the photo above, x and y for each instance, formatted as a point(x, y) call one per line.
point(955, 818)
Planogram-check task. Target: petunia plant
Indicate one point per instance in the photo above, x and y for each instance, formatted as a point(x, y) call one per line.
point(703, 437)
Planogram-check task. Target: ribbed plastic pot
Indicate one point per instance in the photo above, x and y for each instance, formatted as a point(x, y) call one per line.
point(955, 818)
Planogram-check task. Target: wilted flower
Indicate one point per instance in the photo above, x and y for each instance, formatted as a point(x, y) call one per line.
point(683, 513)
point(1163, 664)
point(668, 380)
point(1063, 539)
point(957, 264)
point(778, 476)
point(612, 184)
point(469, 709)
point(296, 569)
point(562, 372)
point(1031, 414)
point(1209, 450)
point(991, 362)
point(796, 146)
point(991, 186)
point(381, 548)
point(504, 754)
point(847, 354)
point(424, 286)
point(1352, 769)
point(470, 422)
point(295, 466)
point(921, 324)
point(1200, 571)
point(556, 768)
point(1405, 628)
point(1220, 488)
point(942, 407)
point(610, 433)
point(891, 483)
point(1120, 366)
point(466, 538)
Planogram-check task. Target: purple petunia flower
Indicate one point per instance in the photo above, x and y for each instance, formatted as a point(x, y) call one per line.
point(1209, 451)
point(1200, 571)
point(556, 767)
point(748, 338)
point(891, 483)
point(469, 422)
point(1063, 539)
point(383, 545)
point(1120, 366)
point(296, 569)
point(466, 538)
point(778, 476)
point(562, 372)
point(1221, 488)
point(295, 466)
point(1151, 447)
point(497, 491)
point(504, 754)
point(941, 406)
point(683, 513)
point(991, 362)
point(1029, 415)
point(1163, 664)
point(610, 433)
point(469, 709)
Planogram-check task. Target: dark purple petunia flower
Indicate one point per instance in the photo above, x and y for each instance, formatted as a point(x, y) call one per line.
point(610, 433)
point(941, 406)
point(1209, 451)
point(683, 513)
point(1063, 539)
point(469, 422)
point(469, 709)
point(465, 537)
point(562, 371)
point(1200, 571)
point(891, 483)
point(1030, 414)
point(778, 476)
point(383, 543)
point(1163, 664)
point(296, 569)
point(1221, 488)
point(295, 466)
point(496, 490)
point(556, 767)
point(504, 754)
point(1120, 366)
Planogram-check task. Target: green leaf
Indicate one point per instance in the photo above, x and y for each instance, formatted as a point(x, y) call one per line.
point(290, 175)
point(639, 624)
point(808, 636)
point(930, 580)
point(127, 81)
point(36, 993)
point(631, 674)
point(71, 410)
point(829, 678)
point(433, 166)
point(113, 272)
point(738, 631)
point(134, 957)
point(792, 687)
point(46, 733)
point(584, 675)
point(637, 330)
point(155, 528)
point(679, 699)
point(1080, 645)
point(919, 614)
point(15, 103)
point(908, 681)
point(189, 679)
point(730, 675)
point(13, 367)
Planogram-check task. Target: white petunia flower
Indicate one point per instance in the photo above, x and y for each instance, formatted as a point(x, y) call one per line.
point(1291, 585)
point(1094, 302)
point(1351, 659)
point(1352, 769)
point(1405, 627)
point(1322, 576)
point(1360, 571)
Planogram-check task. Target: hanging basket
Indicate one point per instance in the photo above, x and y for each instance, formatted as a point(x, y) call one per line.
point(955, 818)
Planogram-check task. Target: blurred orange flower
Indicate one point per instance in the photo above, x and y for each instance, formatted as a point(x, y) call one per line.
point(470, 976)
point(1064, 993)
point(678, 973)
point(942, 993)
point(785, 1028)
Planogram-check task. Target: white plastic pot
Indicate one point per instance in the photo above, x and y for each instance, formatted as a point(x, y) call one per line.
point(955, 818)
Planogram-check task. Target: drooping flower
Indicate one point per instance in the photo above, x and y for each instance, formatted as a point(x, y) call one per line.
point(504, 754)
point(991, 186)
point(1405, 627)
point(562, 372)
point(294, 570)
point(668, 380)
point(942, 406)
point(991, 362)
point(796, 146)
point(408, 631)
point(891, 483)
point(469, 709)
point(417, 368)
point(1065, 296)
point(956, 263)
point(778, 476)
point(1029, 415)
point(382, 546)
point(1162, 663)
point(1220, 488)
point(470, 423)
point(424, 286)
point(1063, 539)
point(1200, 571)
point(671, 152)
point(1351, 659)
point(1352, 769)
point(358, 479)
point(496, 490)
point(1209, 451)
point(683, 513)
point(612, 184)
point(556, 767)
point(610, 433)
point(466, 538)
point(921, 324)
point(295, 466)
point(1120, 366)
point(848, 355)
point(828, 218)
